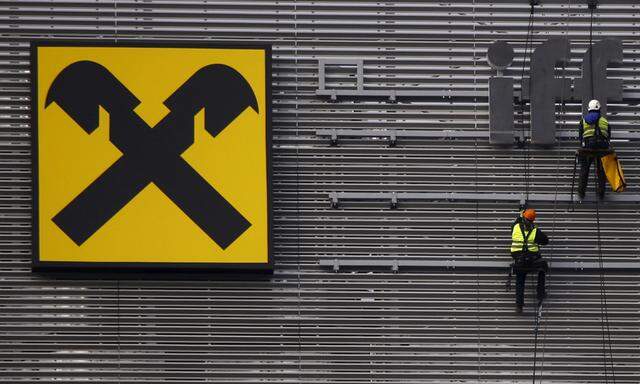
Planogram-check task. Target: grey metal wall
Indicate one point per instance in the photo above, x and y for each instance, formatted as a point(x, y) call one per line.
point(307, 323)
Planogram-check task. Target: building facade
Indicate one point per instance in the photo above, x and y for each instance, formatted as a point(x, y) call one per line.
point(399, 110)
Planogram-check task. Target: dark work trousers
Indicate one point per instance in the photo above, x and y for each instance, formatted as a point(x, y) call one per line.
point(585, 166)
point(525, 265)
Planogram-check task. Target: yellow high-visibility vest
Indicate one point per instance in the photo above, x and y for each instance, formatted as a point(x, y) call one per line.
point(589, 130)
point(517, 239)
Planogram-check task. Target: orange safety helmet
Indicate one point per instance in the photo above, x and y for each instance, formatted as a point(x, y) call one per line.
point(529, 214)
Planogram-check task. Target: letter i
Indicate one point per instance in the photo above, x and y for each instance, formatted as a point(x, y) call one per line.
point(500, 56)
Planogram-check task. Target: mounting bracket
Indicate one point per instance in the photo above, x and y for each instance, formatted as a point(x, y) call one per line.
point(455, 264)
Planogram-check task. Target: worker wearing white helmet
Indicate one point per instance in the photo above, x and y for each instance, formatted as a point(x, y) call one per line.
point(594, 133)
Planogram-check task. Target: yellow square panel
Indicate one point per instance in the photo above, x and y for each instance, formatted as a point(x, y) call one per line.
point(151, 156)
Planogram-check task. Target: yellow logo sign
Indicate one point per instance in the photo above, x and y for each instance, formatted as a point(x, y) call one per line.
point(151, 156)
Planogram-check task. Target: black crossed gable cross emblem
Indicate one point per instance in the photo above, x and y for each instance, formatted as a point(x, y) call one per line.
point(151, 154)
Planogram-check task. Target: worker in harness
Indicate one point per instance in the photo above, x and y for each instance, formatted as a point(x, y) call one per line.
point(526, 239)
point(594, 133)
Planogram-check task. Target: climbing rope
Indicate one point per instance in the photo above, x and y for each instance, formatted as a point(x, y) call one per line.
point(604, 310)
point(526, 155)
point(523, 142)
point(555, 201)
point(526, 160)
point(536, 330)
point(603, 298)
point(298, 261)
point(477, 217)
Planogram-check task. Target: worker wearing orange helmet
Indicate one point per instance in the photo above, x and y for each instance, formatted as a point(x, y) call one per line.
point(526, 239)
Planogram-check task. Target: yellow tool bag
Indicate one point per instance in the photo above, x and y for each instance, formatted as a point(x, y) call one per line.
point(613, 171)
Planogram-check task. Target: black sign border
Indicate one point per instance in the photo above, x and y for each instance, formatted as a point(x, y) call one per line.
point(139, 268)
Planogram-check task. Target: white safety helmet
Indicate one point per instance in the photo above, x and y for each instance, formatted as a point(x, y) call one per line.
point(594, 105)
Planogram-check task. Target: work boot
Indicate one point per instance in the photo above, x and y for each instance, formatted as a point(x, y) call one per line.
point(519, 309)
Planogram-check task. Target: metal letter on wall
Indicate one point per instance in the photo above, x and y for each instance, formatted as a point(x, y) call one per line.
point(545, 88)
point(500, 56)
point(605, 52)
point(151, 156)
